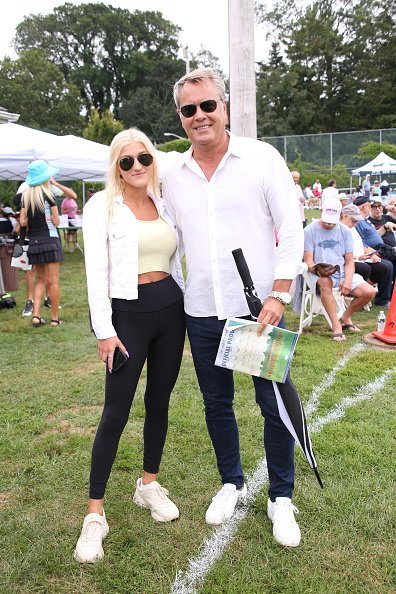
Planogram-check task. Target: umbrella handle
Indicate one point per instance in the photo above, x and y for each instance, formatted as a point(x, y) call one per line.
point(242, 266)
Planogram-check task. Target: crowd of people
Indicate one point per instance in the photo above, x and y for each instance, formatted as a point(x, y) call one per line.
point(135, 234)
point(356, 237)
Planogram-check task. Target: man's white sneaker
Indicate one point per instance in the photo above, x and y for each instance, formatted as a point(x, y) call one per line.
point(223, 504)
point(89, 546)
point(155, 498)
point(284, 526)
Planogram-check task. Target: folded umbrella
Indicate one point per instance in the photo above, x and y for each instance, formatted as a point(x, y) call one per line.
point(289, 404)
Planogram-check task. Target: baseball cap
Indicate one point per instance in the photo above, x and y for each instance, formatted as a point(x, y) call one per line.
point(353, 211)
point(359, 200)
point(342, 196)
point(376, 199)
point(7, 210)
point(331, 210)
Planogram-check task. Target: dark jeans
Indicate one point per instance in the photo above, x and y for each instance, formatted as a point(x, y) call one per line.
point(217, 387)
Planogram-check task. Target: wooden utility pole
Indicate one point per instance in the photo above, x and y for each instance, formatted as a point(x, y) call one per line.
point(243, 116)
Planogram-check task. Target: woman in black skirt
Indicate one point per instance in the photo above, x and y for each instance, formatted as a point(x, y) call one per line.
point(40, 214)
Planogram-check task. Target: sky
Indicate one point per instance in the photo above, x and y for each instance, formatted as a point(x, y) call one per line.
point(203, 23)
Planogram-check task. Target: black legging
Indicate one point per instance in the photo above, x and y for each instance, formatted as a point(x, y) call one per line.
point(151, 328)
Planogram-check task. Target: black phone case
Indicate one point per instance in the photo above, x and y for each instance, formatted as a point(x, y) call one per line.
point(119, 358)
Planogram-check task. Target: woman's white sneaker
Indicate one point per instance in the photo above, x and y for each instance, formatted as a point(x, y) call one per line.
point(223, 504)
point(155, 498)
point(284, 526)
point(89, 546)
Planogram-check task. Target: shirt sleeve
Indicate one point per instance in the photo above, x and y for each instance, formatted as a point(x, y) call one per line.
point(97, 267)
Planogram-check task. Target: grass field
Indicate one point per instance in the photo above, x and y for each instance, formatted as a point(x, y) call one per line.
point(51, 396)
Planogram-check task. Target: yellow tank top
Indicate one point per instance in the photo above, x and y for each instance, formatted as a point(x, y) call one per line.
point(157, 244)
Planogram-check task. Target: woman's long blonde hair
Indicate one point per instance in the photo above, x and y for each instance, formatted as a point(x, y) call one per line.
point(115, 184)
point(34, 196)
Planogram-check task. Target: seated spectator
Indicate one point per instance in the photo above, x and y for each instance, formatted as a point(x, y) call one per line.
point(369, 234)
point(358, 192)
point(328, 241)
point(367, 263)
point(8, 220)
point(385, 224)
point(343, 198)
point(312, 200)
point(317, 188)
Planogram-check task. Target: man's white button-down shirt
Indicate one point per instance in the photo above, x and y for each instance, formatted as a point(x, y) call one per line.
point(250, 194)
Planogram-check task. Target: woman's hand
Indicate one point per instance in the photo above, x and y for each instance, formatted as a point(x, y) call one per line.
point(106, 347)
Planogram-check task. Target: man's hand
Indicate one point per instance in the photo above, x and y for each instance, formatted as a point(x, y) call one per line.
point(271, 313)
point(345, 287)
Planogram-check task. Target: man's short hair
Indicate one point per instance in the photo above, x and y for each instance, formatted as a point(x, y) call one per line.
point(196, 76)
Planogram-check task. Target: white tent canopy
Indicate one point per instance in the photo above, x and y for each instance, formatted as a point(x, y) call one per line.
point(381, 165)
point(77, 158)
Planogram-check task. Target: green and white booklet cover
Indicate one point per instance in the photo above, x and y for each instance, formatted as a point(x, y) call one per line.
point(268, 355)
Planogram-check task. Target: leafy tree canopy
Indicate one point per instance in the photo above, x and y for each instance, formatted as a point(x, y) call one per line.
point(37, 90)
point(102, 127)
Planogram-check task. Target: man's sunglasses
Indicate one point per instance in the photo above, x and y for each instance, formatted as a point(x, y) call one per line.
point(126, 163)
point(208, 106)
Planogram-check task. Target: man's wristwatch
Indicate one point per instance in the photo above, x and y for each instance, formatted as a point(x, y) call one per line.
point(284, 298)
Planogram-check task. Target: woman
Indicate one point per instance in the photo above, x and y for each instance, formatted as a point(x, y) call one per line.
point(40, 214)
point(132, 258)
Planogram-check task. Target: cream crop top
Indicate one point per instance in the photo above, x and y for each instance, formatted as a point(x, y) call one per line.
point(157, 244)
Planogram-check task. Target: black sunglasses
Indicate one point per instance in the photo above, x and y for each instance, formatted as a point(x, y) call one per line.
point(208, 106)
point(126, 163)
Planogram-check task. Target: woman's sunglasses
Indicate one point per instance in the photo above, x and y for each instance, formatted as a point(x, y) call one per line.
point(126, 163)
point(208, 106)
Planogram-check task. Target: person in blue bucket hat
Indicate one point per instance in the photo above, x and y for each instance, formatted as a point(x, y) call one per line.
point(39, 213)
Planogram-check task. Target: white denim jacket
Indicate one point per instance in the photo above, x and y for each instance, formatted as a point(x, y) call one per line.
point(111, 257)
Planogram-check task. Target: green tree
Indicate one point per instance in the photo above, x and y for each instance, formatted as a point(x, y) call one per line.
point(105, 51)
point(369, 150)
point(37, 90)
point(329, 70)
point(102, 127)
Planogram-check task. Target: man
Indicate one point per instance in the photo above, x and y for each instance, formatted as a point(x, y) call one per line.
point(330, 192)
point(367, 263)
point(300, 196)
point(384, 224)
point(228, 192)
point(327, 241)
point(366, 186)
point(370, 235)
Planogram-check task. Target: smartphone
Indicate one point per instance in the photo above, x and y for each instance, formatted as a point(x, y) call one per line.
point(119, 358)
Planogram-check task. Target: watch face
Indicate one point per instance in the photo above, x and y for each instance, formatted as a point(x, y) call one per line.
point(285, 297)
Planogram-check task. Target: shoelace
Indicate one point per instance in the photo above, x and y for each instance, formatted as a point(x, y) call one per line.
point(223, 494)
point(92, 531)
point(289, 507)
point(160, 494)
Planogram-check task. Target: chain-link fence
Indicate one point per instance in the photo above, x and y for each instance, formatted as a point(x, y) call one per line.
point(329, 149)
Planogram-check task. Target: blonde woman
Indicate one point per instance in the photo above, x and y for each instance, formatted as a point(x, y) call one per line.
point(39, 214)
point(135, 295)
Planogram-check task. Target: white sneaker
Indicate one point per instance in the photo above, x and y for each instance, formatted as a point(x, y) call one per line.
point(285, 528)
point(89, 546)
point(223, 504)
point(155, 498)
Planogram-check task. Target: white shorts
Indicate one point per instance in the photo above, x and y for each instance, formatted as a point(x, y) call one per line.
point(357, 280)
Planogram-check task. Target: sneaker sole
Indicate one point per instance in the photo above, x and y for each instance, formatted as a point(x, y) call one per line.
point(136, 499)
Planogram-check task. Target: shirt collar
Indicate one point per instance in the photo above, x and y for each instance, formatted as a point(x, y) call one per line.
point(234, 148)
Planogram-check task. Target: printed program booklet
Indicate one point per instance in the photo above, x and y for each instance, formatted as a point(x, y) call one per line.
point(268, 355)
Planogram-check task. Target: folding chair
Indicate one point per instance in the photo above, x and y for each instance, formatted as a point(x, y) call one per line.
point(312, 306)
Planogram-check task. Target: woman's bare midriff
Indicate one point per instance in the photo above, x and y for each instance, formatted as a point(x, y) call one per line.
point(151, 277)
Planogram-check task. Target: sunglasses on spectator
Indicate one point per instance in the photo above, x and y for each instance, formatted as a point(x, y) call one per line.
point(377, 206)
point(208, 106)
point(126, 163)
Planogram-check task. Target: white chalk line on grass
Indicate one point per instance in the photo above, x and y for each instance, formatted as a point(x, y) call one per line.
point(191, 580)
point(313, 401)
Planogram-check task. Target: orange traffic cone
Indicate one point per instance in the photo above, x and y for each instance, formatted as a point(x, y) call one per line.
point(388, 334)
